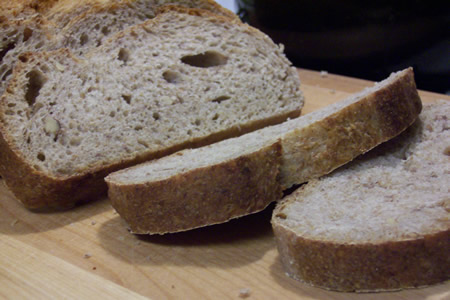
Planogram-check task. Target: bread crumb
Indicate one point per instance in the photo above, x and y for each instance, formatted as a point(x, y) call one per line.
point(87, 255)
point(244, 293)
point(323, 74)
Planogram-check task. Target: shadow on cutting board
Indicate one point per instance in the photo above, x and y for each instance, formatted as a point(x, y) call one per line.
point(232, 244)
point(15, 219)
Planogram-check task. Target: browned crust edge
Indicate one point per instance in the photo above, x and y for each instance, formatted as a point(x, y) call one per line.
point(351, 131)
point(200, 197)
point(365, 267)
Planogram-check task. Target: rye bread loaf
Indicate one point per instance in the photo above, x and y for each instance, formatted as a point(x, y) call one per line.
point(213, 184)
point(29, 26)
point(380, 223)
point(184, 78)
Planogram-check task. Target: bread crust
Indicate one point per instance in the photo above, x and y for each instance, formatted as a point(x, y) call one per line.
point(326, 145)
point(364, 267)
point(202, 196)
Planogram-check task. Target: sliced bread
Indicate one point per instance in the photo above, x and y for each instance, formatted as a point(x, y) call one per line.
point(184, 78)
point(200, 187)
point(29, 26)
point(380, 223)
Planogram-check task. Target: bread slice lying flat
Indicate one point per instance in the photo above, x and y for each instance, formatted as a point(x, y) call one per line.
point(178, 80)
point(29, 26)
point(381, 222)
point(200, 187)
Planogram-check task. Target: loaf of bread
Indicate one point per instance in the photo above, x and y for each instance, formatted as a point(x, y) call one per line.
point(184, 78)
point(214, 184)
point(31, 25)
point(380, 223)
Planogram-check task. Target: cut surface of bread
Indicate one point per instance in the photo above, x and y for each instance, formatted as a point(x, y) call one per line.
point(311, 146)
point(184, 78)
point(29, 26)
point(380, 222)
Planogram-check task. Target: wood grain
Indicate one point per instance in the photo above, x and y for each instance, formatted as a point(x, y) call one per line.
point(87, 253)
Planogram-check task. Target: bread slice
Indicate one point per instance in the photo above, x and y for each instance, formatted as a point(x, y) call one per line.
point(200, 187)
point(380, 223)
point(181, 79)
point(29, 26)
point(90, 28)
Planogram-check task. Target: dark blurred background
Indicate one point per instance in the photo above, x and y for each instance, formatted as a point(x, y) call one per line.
point(364, 39)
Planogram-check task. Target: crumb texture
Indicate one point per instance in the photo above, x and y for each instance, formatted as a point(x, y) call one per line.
point(399, 191)
point(175, 79)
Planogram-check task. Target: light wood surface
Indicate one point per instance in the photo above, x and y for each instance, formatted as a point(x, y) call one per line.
point(87, 253)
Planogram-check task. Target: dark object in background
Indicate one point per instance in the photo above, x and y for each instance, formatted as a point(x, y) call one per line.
point(365, 39)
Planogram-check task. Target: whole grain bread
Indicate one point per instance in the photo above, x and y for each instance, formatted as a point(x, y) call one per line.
point(200, 187)
point(30, 25)
point(184, 78)
point(380, 223)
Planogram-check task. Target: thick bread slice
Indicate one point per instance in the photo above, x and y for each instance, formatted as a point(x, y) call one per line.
point(180, 79)
point(149, 196)
point(380, 223)
point(28, 26)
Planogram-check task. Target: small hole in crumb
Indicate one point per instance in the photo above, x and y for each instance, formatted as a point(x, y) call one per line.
point(447, 151)
point(126, 98)
point(281, 216)
point(156, 116)
point(197, 122)
point(220, 99)
point(124, 55)
point(84, 38)
point(138, 127)
point(41, 156)
point(105, 30)
point(215, 117)
point(171, 76)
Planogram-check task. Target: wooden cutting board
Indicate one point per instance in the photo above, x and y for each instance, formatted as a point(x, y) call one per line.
point(87, 253)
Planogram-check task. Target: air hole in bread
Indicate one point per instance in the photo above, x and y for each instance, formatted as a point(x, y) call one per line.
point(6, 49)
point(41, 156)
point(124, 55)
point(205, 60)
point(27, 33)
point(75, 141)
point(215, 117)
point(127, 98)
point(35, 82)
point(23, 58)
point(220, 99)
point(447, 151)
point(138, 127)
point(105, 30)
point(112, 114)
point(197, 122)
point(156, 116)
point(84, 38)
point(171, 76)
